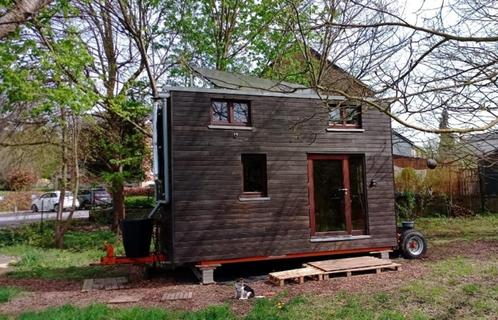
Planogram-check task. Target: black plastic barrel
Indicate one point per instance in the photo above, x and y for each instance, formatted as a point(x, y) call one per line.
point(407, 225)
point(137, 235)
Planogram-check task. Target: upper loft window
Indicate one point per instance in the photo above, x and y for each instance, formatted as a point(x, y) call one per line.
point(345, 116)
point(226, 112)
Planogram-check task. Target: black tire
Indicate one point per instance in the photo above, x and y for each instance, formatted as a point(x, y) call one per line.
point(34, 208)
point(56, 207)
point(413, 244)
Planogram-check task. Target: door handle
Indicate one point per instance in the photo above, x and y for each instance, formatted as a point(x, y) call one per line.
point(343, 189)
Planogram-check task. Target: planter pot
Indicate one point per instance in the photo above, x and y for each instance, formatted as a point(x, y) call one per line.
point(137, 236)
point(407, 225)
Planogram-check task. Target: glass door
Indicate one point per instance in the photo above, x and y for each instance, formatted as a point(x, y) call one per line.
point(336, 194)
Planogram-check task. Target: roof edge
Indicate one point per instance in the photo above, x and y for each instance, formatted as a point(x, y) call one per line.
point(304, 94)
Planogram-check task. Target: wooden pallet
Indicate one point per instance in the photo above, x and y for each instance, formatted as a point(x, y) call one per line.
point(105, 284)
point(348, 263)
point(350, 272)
point(297, 275)
point(321, 270)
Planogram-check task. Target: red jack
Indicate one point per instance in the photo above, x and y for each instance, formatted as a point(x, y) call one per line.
point(112, 259)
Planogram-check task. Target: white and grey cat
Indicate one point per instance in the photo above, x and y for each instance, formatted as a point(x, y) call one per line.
point(243, 291)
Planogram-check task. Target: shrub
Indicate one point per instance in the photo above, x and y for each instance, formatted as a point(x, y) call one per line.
point(77, 238)
point(103, 216)
point(408, 180)
point(20, 179)
point(139, 191)
point(30, 234)
point(21, 200)
point(139, 202)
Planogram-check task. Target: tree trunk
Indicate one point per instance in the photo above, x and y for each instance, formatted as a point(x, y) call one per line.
point(59, 227)
point(119, 207)
point(76, 179)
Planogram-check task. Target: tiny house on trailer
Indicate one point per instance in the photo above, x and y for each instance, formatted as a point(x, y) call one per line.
point(266, 171)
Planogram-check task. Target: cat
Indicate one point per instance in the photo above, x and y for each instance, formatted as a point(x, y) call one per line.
point(243, 291)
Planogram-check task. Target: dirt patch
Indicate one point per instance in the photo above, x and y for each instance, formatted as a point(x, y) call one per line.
point(41, 294)
point(40, 285)
point(470, 249)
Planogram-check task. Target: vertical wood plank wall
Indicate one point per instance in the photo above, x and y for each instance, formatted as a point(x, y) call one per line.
point(210, 221)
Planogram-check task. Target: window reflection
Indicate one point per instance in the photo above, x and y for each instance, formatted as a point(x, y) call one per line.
point(230, 112)
point(240, 112)
point(220, 111)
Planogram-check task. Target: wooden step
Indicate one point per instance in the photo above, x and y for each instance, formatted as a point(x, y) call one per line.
point(320, 270)
point(279, 278)
point(348, 263)
point(350, 272)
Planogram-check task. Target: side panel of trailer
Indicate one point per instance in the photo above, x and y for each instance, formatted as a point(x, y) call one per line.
point(211, 222)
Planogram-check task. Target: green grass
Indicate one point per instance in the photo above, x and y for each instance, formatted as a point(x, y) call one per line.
point(263, 309)
point(7, 293)
point(442, 230)
point(457, 287)
point(102, 312)
point(454, 288)
point(95, 312)
point(38, 259)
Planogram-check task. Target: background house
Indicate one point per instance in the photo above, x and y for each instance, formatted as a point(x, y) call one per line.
point(406, 154)
point(485, 148)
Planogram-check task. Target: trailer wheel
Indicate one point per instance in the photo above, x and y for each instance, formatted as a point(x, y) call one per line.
point(413, 244)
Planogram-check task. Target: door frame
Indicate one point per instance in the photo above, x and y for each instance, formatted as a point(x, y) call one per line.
point(346, 185)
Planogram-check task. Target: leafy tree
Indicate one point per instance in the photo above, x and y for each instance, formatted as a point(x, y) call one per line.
point(117, 151)
point(120, 42)
point(446, 152)
point(229, 35)
point(42, 69)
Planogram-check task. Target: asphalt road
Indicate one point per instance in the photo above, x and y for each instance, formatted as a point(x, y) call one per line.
point(9, 219)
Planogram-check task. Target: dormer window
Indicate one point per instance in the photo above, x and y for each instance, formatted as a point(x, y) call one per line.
point(227, 112)
point(344, 116)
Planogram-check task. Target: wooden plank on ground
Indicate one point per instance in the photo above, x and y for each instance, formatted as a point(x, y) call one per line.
point(177, 296)
point(99, 284)
point(105, 284)
point(87, 285)
point(111, 284)
point(299, 274)
point(124, 299)
point(348, 263)
point(302, 272)
point(378, 269)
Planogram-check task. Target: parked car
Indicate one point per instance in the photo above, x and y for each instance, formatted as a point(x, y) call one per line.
point(97, 197)
point(50, 201)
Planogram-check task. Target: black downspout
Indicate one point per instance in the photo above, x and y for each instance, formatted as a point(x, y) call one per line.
point(161, 143)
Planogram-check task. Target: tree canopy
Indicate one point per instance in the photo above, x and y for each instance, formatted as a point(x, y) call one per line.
point(104, 60)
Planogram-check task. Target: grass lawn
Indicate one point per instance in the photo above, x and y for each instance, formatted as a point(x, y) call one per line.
point(442, 230)
point(7, 293)
point(38, 258)
point(450, 286)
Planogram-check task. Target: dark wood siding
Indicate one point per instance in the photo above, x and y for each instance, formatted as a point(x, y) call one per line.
point(210, 221)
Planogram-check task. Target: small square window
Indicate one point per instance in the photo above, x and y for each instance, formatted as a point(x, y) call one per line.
point(345, 116)
point(254, 175)
point(230, 113)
